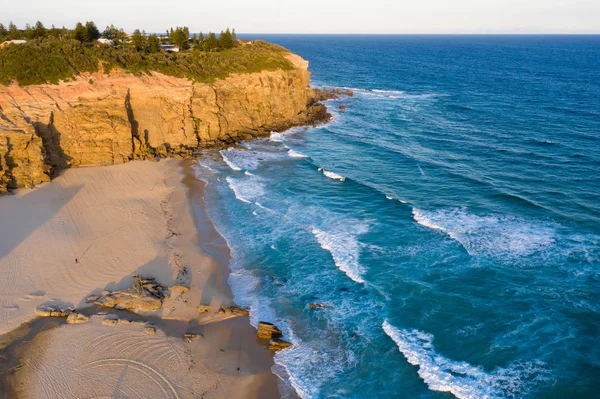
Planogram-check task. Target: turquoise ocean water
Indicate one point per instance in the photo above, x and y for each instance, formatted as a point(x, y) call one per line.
point(448, 220)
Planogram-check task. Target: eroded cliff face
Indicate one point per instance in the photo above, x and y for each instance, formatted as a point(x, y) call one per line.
point(110, 119)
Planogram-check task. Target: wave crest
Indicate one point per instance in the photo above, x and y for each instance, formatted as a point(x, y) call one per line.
point(344, 249)
point(461, 378)
point(505, 236)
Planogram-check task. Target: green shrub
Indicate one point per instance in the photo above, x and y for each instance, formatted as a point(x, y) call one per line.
point(50, 60)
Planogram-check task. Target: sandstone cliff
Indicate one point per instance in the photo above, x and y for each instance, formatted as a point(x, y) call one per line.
point(109, 119)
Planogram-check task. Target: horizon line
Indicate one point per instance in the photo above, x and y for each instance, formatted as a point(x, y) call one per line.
point(425, 34)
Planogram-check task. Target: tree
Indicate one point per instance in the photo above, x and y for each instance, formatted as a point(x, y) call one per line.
point(138, 40)
point(13, 32)
point(29, 32)
point(153, 44)
point(80, 32)
point(92, 31)
point(3, 30)
point(180, 39)
point(39, 30)
point(225, 39)
point(211, 42)
point(234, 38)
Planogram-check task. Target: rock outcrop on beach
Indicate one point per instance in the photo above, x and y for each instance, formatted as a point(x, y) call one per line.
point(110, 119)
point(145, 296)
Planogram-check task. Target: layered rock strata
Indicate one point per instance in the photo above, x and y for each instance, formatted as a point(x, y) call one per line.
point(110, 119)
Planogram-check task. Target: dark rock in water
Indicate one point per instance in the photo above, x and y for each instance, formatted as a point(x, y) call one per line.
point(344, 289)
point(342, 107)
point(268, 330)
point(277, 344)
point(331, 94)
point(316, 305)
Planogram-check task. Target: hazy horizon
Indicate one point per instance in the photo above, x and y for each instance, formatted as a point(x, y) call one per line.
point(330, 17)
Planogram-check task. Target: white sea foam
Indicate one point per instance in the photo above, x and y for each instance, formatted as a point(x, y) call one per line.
point(295, 154)
point(389, 197)
point(344, 248)
point(275, 136)
point(206, 167)
point(461, 378)
point(503, 236)
point(246, 189)
point(230, 163)
point(332, 175)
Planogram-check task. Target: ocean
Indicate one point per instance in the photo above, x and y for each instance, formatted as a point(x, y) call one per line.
point(447, 223)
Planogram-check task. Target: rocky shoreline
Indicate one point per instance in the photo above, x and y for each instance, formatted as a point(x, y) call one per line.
point(111, 119)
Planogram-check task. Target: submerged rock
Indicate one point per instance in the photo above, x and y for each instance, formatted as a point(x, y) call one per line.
point(316, 306)
point(342, 107)
point(277, 344)
point(268, 330)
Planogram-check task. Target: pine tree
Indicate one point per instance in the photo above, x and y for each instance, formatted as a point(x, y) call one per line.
point(29, 33)
point(138, 40)
point(39, 30)
point(13, 32)
point(234, 38)
point(186, 34)
point(3, 30)
point(211, 42)
point(92, 31)
point(153, 44)
point(80, 32)
point(180, 38)
point(225, 40)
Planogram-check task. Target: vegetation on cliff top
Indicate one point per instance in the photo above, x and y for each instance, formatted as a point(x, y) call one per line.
point(52, 55)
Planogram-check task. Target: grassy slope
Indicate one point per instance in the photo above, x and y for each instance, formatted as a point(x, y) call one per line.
point(50, 61)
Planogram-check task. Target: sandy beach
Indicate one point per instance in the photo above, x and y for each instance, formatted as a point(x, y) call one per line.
point(89, 231)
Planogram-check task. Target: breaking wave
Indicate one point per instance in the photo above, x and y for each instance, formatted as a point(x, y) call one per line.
point(229, 162)
point(246, 189)
point(505, 236)
point(462, 379)
point(295, 154)
point(344, 248)
point(332, 175)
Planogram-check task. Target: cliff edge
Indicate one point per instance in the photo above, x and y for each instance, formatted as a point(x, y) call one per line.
point(106, 119)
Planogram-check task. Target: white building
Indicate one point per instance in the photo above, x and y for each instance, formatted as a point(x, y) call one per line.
point(106, 42)
point(9, 42)
point(170, 48)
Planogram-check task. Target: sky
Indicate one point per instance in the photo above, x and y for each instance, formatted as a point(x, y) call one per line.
point(318, 16)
